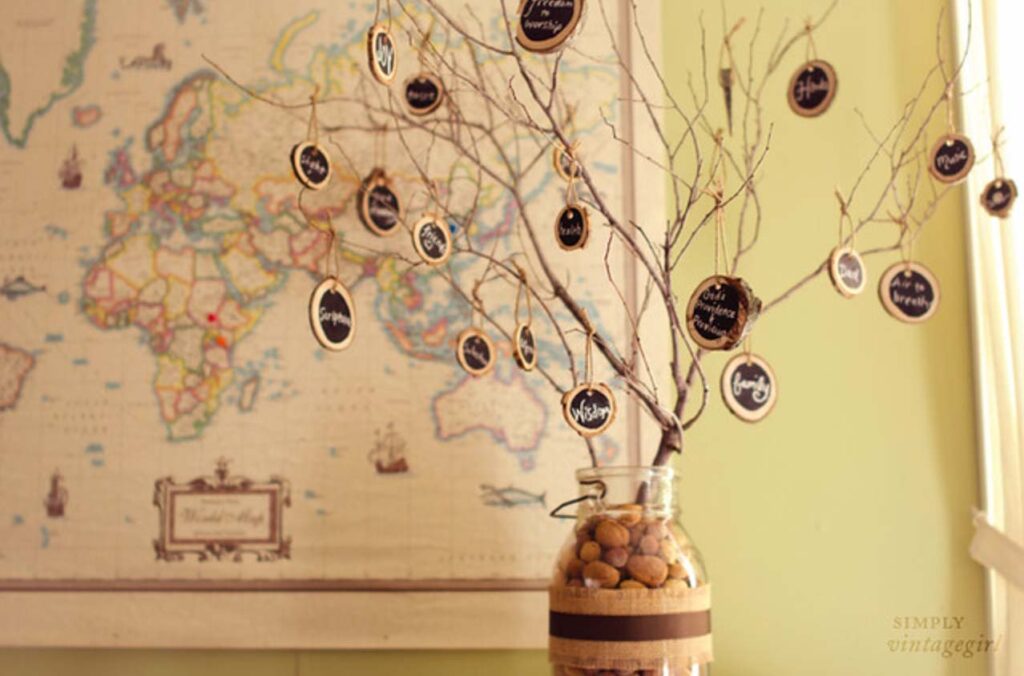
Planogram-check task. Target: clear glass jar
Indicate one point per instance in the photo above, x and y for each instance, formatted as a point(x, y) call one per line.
point(629, 594)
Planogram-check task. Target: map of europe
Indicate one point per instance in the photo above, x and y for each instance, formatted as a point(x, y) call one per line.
point(156, 266)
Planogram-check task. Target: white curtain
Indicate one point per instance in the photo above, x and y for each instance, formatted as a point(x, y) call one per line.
point(994, 96)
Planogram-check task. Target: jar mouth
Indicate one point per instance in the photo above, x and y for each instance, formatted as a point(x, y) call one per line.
point(624, 471)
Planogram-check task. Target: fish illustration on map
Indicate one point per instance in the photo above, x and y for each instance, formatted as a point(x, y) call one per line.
point(510, 496)
point(13, 289)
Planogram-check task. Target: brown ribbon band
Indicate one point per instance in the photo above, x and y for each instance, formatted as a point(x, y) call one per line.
point(629, 627)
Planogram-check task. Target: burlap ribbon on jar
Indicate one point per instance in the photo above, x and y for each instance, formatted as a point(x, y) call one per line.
point(629, 629)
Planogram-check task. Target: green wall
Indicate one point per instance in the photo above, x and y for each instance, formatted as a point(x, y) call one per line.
point(850, 505)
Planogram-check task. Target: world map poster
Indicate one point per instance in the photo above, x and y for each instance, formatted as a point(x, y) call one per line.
point(161, 393)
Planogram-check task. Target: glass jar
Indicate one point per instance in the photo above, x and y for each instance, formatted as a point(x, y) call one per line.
point(629, 594)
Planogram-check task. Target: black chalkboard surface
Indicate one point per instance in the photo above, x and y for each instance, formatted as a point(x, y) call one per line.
point(572, 227)
point(720, 312)
point(545, 25)
point(311, 165)
point(909, 292)
point(812, 88)
point(382, 53)
point(423, 93)
point(589, 408)
point(475, 352)
point(749, 387)
point(847, 272)
point(332, 315)
point(431, 239)
point(998, 197)
point(379, 208)
point(952, 158)
point(525, 347)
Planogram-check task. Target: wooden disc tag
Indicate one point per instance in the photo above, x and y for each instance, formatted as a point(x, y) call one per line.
point(572, 227)
point(311, 164)
point(524, 347)
point(847, 272)
point(749, 387)
point(381, 51)
point(332, 315)
point(545, 25)
point(475, 352)
point(423, 93)
point(998, 197)
point(589, 408)
point(721, 311)
point(909, 292)
point(812, 88)
point(951, 158)
point(432, 239)
point(379, 207)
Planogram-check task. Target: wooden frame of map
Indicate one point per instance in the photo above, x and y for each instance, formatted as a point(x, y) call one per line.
point(358, 506)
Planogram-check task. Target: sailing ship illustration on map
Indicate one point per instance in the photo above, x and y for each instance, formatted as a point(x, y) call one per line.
point(388, 452)
point(71, 171)
point(57, 499)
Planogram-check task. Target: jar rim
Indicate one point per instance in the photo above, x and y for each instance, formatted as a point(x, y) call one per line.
point(652, 471)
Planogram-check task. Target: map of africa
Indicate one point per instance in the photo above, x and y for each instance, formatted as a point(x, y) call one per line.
point(156, 271)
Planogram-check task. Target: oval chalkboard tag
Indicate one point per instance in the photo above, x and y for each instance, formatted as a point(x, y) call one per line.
point(545, 25)
point(572, 227)
point(432, 239)
point(312, 165)
point(332, 315)
point(564, 165)
point(749, 387)
point(381, 51)
point(721, 311)
point(379, 208)
point(423, 93)
point(847, 272)
point(909, 292)
point(589, 408)
point(952, 158)
point(812, 88)
point(998, 197)
point(475, 352)
point(525, 347)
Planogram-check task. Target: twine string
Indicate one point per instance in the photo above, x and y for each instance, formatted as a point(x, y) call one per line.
point(811, 50)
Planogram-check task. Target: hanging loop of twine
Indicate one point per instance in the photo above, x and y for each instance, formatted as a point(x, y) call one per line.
point(523, 286)
point(997, 156)
point(844, 220)
point(721, 248)
point(313, 130)
point(811, 51)
point(906, 254)
point(748, 348)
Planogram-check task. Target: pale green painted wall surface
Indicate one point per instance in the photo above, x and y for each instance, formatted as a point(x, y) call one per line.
point(850, 505)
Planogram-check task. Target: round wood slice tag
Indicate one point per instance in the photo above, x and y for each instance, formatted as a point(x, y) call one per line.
point(589, 408)
point(475, 352)
point(545, 25)
point(952, 158)
point(846, 269)
point(812, 88)
point(332, 315)
point(432, 240)
point(563, 163)
point(312, 165)
point(749, 387)
point(381, 51)
point(572, 228)
point(909, 292)
point(998, 197)
point(379, 208)
point(721, 311)
point(525, 347)
point(423, 93)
